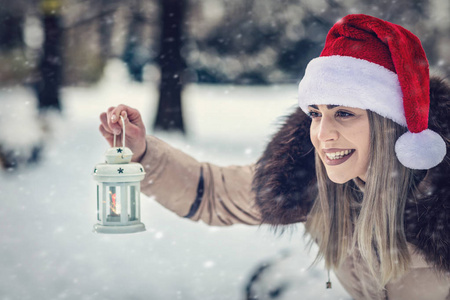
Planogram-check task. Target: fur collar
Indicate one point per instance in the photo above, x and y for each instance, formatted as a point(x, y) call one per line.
point(285, 187)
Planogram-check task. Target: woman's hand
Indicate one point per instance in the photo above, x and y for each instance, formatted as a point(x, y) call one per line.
point(111, 124)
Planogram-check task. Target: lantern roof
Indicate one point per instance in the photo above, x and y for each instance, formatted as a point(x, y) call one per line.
point(118, 155)
point(118, 167)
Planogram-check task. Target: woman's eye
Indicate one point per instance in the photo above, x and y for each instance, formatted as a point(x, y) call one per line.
point(343, 114)
point(313, 114)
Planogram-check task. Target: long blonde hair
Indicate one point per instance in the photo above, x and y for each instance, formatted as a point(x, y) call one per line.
point(344, 218)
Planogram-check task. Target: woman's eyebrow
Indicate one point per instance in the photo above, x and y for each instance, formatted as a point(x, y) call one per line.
point(328, 106)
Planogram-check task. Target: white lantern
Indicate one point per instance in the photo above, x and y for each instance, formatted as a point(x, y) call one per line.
point(118, 192)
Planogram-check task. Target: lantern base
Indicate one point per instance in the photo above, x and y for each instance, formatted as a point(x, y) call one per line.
point(132, 228)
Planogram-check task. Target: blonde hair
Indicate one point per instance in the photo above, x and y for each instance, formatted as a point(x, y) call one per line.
point(343, 218)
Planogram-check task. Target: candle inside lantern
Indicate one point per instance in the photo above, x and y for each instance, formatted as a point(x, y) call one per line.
point(113, 202)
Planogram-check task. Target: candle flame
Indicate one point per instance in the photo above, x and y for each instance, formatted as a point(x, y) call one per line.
point(114, 207)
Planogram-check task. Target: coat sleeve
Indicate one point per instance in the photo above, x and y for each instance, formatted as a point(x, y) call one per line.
point(198, 191)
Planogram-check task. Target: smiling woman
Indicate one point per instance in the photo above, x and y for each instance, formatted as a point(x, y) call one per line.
point(372, 217)
point(362, 162)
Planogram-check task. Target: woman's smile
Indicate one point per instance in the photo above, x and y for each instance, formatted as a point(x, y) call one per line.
point(335, 156)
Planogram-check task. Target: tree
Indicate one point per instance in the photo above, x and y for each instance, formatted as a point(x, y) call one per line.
point(11, 34)
point(169, 114)
point(50, 66)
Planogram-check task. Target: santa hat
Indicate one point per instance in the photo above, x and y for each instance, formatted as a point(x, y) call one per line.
point(372, 64)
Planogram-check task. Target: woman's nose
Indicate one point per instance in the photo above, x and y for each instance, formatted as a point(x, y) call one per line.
point(327, 130)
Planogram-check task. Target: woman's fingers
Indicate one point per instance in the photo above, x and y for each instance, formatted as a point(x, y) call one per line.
point(135, 128)
point(104, 123)
point(133, 115)
point(112, 119)
point(111, 124)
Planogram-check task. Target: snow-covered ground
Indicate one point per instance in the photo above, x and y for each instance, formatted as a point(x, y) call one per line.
point(47, 210)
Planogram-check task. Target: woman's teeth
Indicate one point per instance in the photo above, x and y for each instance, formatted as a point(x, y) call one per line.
point(338, 155)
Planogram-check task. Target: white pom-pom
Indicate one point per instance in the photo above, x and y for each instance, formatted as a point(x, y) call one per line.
point(420, 151)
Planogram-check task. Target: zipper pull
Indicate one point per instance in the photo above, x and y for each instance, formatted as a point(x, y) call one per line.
point(329, 281)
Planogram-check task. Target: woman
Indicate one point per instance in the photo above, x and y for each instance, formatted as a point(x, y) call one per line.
point(362, 162)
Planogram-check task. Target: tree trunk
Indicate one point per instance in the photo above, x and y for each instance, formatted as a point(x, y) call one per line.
point(169, 116)
point(11, 35)
point(51, 61)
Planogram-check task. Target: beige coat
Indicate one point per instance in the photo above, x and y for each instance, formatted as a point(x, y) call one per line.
point(172, 177)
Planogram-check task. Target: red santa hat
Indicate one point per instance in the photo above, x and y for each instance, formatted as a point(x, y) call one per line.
point(372, 64)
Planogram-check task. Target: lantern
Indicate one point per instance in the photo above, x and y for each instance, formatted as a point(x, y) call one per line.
point(118, 191)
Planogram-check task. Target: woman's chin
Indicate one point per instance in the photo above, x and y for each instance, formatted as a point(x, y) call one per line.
point(339, 179)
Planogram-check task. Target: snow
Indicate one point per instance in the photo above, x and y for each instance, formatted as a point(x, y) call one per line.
point(18, 104)
point(48, 249)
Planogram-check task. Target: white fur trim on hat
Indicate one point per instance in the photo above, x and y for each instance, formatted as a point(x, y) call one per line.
point(420, 151)
point(352, 82)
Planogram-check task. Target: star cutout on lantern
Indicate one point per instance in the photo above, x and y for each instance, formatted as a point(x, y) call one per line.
point(141, 170)
point(120, 170)
point(119, 150)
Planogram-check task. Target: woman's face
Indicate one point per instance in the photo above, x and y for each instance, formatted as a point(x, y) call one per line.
point(341, 137)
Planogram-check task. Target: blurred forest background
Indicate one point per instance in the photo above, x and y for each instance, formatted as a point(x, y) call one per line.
point(50, 44)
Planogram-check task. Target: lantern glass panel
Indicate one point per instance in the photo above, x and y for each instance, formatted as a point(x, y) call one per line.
point(98, 203)
point(113, 207)
point(137, 193)
point(132, 203)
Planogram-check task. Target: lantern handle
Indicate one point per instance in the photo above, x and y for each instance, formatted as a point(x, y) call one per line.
point(123, 137)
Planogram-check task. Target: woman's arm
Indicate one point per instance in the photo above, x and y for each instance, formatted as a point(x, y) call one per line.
point(198, 191)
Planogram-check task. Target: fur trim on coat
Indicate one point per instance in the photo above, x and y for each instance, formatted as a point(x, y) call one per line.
point(285, 183)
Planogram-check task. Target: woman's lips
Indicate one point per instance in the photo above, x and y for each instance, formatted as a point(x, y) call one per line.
point(340, 156)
